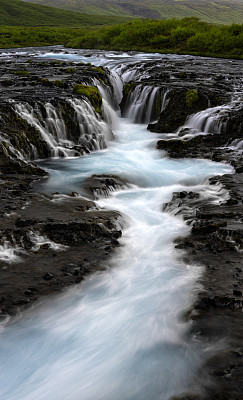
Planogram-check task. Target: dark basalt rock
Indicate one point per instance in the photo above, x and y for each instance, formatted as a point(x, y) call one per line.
point(182, 102)
point(216, 241)
point(36, 228)
point(37, 83)
point(103, 185)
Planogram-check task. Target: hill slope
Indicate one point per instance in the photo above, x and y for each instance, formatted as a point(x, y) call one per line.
point(19, 13)
point(215, 11)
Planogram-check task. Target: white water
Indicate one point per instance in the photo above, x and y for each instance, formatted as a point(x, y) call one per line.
point(119, 335)
point(94, 133)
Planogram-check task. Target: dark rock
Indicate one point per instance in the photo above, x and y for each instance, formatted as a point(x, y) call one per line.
point(48, 276)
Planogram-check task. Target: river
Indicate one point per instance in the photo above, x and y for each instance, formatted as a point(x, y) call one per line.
point(119, 335)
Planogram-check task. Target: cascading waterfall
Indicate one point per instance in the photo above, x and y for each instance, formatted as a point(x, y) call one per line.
point(120, 334)
point(205, 122)
point(94, 133)
point(143, 104)
point(212, 120)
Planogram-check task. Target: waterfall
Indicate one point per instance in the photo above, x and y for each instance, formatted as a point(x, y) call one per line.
point(143, 104)
point(121, 334)
point(93, 133)
point(52, 131)
point(212, 120)
point(206, 121)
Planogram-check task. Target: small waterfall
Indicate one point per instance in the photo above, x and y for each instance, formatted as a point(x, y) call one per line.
point(143, 104)
point(49, 126)
point(93, 133)
point(212, 120)
point(112, 93)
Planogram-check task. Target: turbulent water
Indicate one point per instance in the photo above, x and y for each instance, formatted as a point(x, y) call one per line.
point(119, 335)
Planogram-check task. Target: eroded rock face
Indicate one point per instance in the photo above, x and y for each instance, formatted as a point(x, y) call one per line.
point(98, 186)
point(40, 112)
point(181, 103)
point(54, 241)
point(216, 242)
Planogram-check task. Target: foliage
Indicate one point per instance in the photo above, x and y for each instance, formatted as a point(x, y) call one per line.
point(188, 35)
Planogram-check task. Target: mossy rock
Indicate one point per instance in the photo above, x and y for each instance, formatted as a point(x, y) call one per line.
point(128, 88)
point(70, 70)
point(20, 73)
point(92, 93)
point(60, 84)
point(191, 97)
point(46, 82)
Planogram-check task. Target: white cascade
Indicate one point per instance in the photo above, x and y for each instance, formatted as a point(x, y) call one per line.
point(141, 104)
point(213, 119)
point(52, 131)
point(94, 133)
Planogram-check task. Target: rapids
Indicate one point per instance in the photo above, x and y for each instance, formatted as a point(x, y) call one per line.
point(120, 335)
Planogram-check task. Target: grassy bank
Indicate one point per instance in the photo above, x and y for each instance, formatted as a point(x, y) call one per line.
point(28, 36)
point(185, 36)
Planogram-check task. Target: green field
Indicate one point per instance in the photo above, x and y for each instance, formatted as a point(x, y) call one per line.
point(19, 13)
point(213, 11)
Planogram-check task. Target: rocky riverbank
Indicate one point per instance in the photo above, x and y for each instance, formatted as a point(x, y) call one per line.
point(50, 241)
point(216, 238)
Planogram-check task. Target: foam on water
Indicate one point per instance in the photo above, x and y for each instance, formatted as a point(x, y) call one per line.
point(120, 334)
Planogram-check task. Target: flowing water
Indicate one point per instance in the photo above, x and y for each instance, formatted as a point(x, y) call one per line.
point(119, 335)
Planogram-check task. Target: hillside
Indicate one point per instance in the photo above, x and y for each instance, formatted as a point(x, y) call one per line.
point(214, 11)
point(19, 13)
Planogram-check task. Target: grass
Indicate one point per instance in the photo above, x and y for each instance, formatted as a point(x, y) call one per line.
point(19, 13)
point(213, 11)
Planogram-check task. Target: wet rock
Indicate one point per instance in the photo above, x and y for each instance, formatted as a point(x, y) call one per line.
point(48, 276)
point(98, 186)
point(182, 102)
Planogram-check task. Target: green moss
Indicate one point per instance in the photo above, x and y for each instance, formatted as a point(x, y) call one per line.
point(129, 87)
point(46, 82)
point(99, 70)
point(191, 97)
point(20, 73)
point(70, 70)
point(56, 62)
point(92, 93)
point(59, 84)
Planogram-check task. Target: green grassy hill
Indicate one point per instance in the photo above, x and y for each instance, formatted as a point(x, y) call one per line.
point(214, 11)
point(19, 13)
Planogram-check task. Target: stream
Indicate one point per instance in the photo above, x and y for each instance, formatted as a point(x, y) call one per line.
point(119, 335)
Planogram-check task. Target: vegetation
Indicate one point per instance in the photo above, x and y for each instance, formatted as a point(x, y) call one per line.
point(191, 97)
point(92, 93)
point(26, 36)
point(185, 36)
point(216, 11)
point(19, 13)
